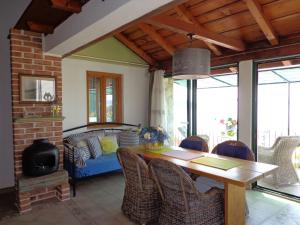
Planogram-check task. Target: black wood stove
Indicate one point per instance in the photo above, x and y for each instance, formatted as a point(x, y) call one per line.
point(40, 158)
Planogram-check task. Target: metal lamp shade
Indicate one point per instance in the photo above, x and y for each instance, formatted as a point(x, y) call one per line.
point(191, 63)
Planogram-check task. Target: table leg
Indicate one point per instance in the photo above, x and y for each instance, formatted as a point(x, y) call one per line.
point(235, 203)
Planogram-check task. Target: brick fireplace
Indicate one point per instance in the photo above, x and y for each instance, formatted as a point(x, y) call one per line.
point(27, 57)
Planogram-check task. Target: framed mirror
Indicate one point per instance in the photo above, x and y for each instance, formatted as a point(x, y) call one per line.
point(37, 88)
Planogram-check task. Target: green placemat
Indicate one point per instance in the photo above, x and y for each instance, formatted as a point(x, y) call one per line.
point(159, 150)
point(223, 164)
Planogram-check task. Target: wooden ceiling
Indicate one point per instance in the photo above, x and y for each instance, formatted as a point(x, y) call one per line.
point(224, 26)
point(44, 16)
point(231, 29)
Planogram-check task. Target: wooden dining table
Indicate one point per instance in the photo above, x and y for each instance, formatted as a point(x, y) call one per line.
point(235, 180)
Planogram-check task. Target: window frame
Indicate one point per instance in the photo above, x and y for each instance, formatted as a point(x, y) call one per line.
point(103, 76)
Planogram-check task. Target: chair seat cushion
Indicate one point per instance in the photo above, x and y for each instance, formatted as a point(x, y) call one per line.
point(233, 151)
point(191, 144)
point(204, 184)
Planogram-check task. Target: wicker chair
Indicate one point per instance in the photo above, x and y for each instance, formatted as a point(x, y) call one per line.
point(141, 201)
point(280, 154)
point(235, 149)
point(195, 143)
point(182, 203)
point(231, 148)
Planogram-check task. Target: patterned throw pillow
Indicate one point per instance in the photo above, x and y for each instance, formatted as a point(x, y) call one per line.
point(74, 139)
point(81, 144)
point(128, 138)
point(109, 144)
point(94, 146)
point(81, 155)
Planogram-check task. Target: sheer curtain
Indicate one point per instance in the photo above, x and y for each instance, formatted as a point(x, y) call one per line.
point(161, 108)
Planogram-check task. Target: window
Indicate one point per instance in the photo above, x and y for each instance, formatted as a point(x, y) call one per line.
point(180, 114)
point(207, 107)
point(104, 97)
point(217, 105)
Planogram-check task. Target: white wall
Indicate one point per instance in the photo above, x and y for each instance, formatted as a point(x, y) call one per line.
point(10, 12)
point(135, 91)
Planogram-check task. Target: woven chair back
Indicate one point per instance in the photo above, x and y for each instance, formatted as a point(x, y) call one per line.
point(233, 149)
point(134, 168)
point(195, 143)
point(285, 146)
point(174, 184)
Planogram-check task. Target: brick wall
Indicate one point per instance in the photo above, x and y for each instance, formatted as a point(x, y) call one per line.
point(27, 57)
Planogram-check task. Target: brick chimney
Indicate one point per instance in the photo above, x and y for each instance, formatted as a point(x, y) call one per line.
point(27, 57)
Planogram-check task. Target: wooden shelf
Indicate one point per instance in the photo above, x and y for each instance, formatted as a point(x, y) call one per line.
point(38, 119)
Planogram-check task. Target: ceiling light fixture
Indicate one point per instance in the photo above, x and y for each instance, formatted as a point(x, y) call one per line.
point(191, 63)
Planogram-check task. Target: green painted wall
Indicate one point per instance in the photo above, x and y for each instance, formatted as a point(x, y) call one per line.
point(110, 50)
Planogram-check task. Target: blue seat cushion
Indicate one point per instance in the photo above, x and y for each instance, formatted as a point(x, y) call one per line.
point(191, 144)
point(232, 151)
point(102, 164)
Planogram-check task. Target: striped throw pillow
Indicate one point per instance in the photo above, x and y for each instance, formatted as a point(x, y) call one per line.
point(94, 146)
point(128, 138)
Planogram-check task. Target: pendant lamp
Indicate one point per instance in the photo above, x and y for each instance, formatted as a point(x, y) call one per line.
point(191, 63)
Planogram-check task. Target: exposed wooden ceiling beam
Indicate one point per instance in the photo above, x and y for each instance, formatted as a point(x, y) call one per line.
point(188, 17)
point(287, 62)
point(180, 26)
point(67, 5)
point(287, 47)
point(148, 29)
point(122, 38)
point(40, 28)
point(263, 22)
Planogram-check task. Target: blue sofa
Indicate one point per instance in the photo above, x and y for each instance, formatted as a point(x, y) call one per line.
point(103, 164)
point(90, 167)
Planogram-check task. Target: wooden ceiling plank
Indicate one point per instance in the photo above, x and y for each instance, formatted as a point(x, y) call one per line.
point(181, 26)
point(148, 29)
point(287, 62)
point(67, 5)
point(188, 17)
point(263, 22)
point(40, 28)
point(233, 69)
point(122, 38)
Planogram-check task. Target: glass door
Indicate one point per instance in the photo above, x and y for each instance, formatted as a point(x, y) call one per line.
point(180, 110)
point(278, 125)
point(217, 104)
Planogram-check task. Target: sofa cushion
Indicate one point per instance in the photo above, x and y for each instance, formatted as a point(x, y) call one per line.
point(109, 144)
point(80, 156)
point(128, 138)
point(81, 143)
point(74, 139)
point(94, 146)
point(103, 164)
point(98, 133)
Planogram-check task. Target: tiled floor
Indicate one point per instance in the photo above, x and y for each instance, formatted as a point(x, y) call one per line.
point(99, 200)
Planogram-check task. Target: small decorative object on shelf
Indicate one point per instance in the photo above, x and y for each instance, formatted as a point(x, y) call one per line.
point(230, 126)
point(56, 107)
point(153, 137)
point(48, 97)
